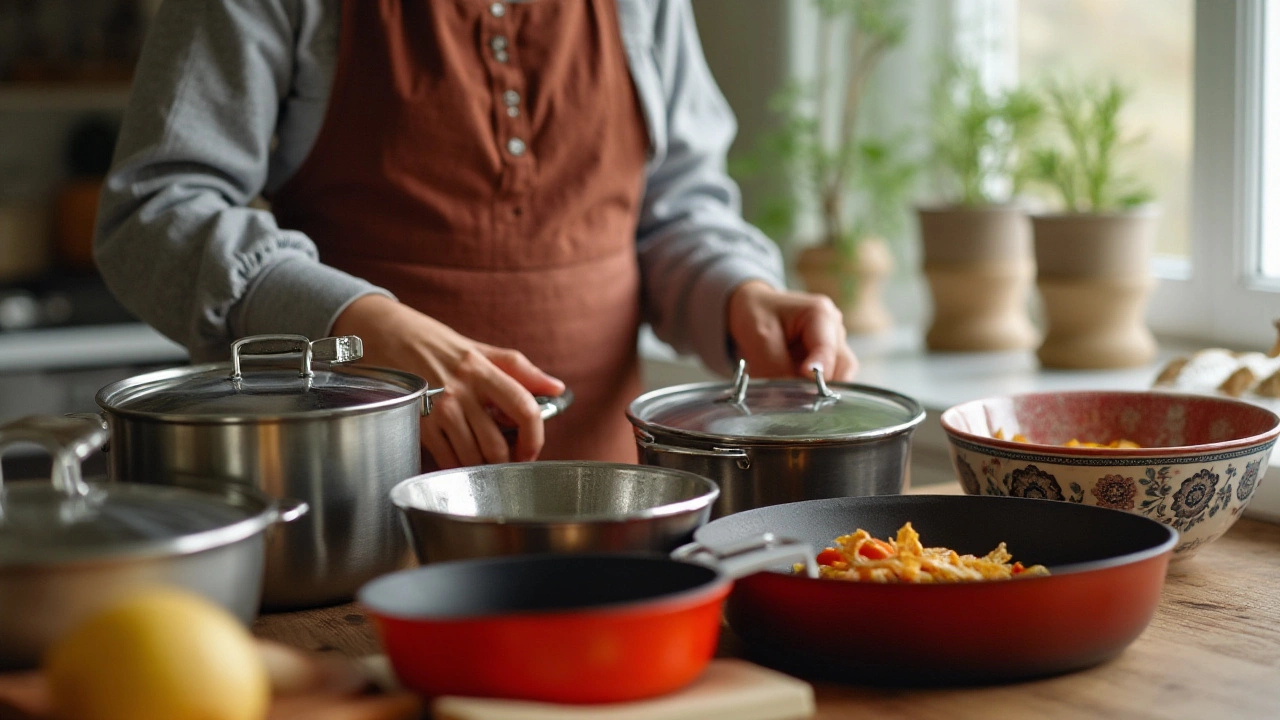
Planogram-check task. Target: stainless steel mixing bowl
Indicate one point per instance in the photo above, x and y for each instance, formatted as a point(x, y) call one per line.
point(551, 506)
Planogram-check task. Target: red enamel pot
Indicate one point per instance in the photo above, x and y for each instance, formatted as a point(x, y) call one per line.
point(1107, 571)
point(556, 628)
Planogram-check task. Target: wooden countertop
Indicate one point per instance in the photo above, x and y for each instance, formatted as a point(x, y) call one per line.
point(1212, 651)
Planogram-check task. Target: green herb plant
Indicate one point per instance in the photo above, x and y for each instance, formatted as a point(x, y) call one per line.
point(981, 138)
point(1083, 167)
point(857, 185)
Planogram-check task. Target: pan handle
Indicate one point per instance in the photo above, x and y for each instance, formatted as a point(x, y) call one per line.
point(745, 557)
point(739, 456)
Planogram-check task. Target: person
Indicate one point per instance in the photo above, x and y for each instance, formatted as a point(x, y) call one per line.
point(493, 195)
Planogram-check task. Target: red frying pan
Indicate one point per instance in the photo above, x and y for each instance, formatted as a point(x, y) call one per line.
point(1108, 568)
point(607, 628)
point(557, 628)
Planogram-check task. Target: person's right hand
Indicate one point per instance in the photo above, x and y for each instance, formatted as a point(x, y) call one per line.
point(479, 380)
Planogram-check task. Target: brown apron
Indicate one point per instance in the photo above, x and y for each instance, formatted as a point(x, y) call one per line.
point(485, 162)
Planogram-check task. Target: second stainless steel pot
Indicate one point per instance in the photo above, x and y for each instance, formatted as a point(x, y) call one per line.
point(778, 441)
point(69, 548)
point(336, 438)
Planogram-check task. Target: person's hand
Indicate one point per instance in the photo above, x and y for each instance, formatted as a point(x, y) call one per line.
point(479, 381)
point(785, 334)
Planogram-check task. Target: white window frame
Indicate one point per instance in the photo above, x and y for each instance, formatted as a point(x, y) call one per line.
point(1219, 295)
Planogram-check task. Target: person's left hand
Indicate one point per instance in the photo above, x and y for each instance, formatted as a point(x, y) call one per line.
point(782, 333)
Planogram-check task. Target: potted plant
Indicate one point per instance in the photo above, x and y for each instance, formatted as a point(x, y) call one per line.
point(856, 186)
point(1093, 257)
point(977, 243)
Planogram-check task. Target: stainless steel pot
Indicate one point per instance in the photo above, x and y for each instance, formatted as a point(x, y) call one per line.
point(69, 547)
point(777, 441)
point(551, 506)
point(337, 438)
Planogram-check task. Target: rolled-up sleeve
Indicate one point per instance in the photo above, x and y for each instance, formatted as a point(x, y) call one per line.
point(177, 241)
point(694, 245)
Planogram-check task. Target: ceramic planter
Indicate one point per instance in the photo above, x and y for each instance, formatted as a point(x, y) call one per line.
point(979, 265)
point(854, 283)
point(1093, 272)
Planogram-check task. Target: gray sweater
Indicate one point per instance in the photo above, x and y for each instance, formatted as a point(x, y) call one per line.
point(227, 101)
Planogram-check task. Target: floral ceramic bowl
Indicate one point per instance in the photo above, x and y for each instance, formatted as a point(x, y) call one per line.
point(1199, 462)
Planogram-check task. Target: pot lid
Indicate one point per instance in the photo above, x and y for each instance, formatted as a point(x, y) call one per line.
point(223, 392)
point(40, 524)
point(65, 519)
point(777, 410)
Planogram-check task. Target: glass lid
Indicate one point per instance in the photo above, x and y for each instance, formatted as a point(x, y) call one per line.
point(223, 391)
point(65, 519)
point(774, 410)
point(42, 524)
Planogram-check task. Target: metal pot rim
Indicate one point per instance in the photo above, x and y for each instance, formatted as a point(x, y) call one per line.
point(105, 396)
point(270, 512)
point(913, 406)
point(705, 500)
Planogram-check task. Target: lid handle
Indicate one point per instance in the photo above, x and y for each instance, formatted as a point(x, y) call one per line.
point(823, 390)
point(332, 350)
point(69, 440)
point(738, 394)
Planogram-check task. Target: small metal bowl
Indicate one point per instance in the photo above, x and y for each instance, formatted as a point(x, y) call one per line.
point(551, 507)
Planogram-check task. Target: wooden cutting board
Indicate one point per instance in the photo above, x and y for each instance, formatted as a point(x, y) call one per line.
point(728, 690)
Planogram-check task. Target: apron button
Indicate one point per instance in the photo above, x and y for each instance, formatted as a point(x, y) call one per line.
point(516, 146)
point(497, 9)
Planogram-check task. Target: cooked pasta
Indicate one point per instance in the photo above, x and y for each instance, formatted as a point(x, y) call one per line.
point(858, 556)
point(1073, 442)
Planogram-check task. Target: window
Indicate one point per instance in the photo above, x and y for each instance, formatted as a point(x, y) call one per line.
point(1213, 150)
point(1225, 297)
point(1271, 148)
point(1147, 45)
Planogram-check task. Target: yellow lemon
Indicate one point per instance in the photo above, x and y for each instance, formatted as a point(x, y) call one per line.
point(161, 654)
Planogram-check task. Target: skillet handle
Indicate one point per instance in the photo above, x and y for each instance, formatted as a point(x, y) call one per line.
point(749, 556)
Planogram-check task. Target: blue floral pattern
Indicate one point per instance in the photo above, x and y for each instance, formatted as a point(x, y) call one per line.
point(1248, 481)
point(968, 478)
point(1032, 482)
point(1195, 494)
point(1180, 496)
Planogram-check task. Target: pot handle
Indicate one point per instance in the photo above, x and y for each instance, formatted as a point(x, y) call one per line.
point(99, 418)
point(745, 557)
point(331, 350)
point(68, 439)
point(553, 406)
point(287, 510)
point(739, 456)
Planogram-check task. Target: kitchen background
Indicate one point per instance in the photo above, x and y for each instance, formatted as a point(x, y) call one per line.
point(65, 67)
point(64, 81)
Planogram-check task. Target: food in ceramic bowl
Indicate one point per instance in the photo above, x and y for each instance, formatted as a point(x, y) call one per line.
point(1199, 460)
